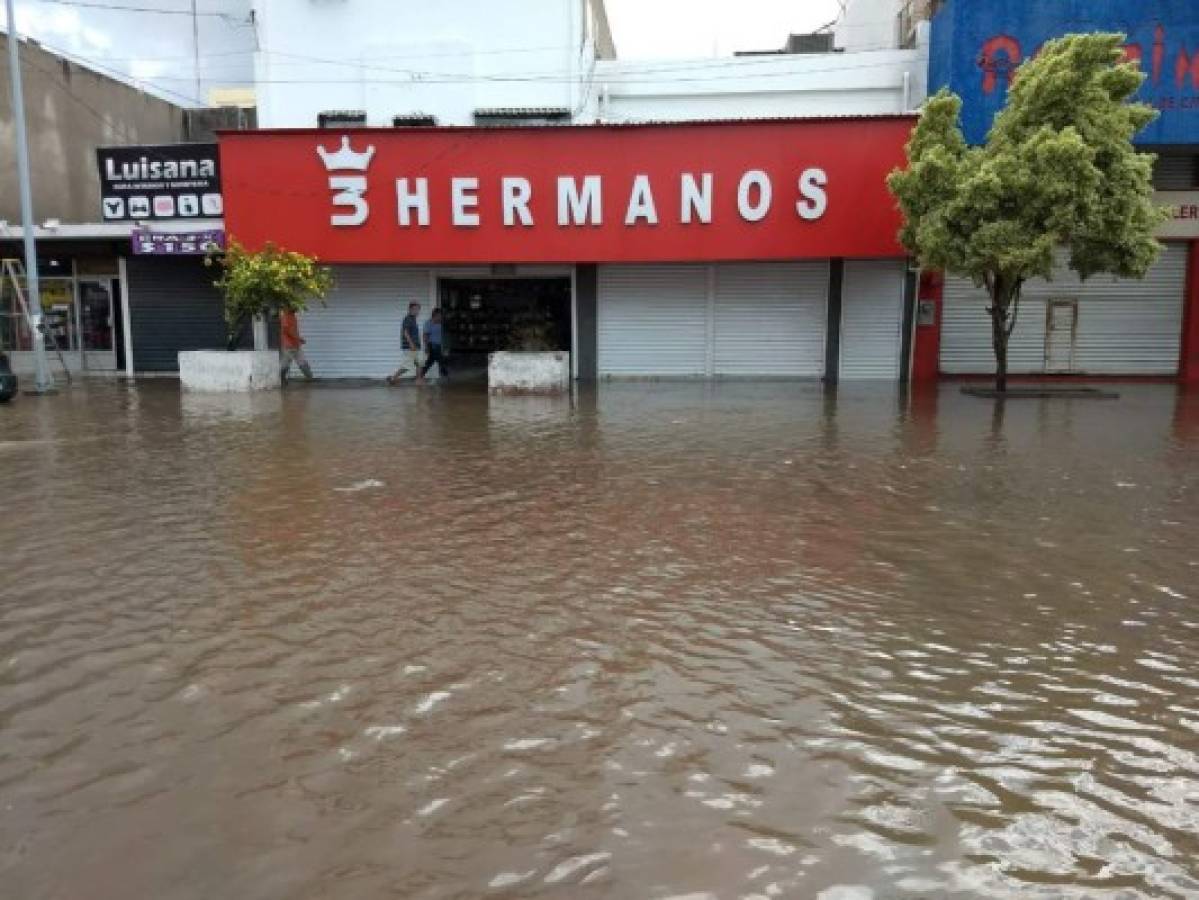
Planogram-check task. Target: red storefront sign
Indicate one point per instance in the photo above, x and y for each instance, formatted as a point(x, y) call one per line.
point(784, 189)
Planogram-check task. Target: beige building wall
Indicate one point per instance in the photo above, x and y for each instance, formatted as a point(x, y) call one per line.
point(70, 111)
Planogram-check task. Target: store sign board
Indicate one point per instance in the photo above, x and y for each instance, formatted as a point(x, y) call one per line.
point(177, 243)
point(977, 46)
point(167, 181)
point(785, 189)
point(1183, 207)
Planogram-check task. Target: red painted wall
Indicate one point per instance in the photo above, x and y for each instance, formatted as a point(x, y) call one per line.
point(277, 188)
point(926, 349)
point(1188, 363)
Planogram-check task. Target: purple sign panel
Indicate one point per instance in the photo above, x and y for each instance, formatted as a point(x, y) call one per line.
point(177, 243)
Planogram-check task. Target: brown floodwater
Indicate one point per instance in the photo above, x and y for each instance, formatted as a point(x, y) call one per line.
point(661, 640)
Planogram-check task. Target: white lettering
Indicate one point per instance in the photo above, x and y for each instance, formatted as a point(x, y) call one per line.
point(755, 212)
point(350, 189)
point(697, 199)
point(515, 193)
point(413, 199)
point(641, 202)
point(464, 200)
point(575, 207)
point(811, 188)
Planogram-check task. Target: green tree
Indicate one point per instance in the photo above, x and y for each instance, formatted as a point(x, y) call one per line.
point(265, 283)
point(1058, 170)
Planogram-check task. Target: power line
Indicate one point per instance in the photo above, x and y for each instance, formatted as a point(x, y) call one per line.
point(117, 7)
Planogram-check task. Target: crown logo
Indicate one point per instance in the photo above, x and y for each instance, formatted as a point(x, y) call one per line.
point(345, 159)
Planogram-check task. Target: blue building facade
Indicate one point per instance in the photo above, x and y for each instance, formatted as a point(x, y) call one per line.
point(976, 46)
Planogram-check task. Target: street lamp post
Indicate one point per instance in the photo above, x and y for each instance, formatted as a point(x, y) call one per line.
point(42, 383)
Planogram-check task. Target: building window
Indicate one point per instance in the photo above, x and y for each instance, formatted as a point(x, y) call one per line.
point(341, 118)
point(541, 115)
point(414, 120)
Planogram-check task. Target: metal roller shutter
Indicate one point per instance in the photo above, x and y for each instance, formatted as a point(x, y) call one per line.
point(652, 320)
point(1125, 327)
point(769, 319)
point(173, 306)
point(1176, 173)
point(871, 319)
point(358, 334)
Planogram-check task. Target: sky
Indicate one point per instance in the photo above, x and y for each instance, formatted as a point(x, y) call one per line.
point(155, 50)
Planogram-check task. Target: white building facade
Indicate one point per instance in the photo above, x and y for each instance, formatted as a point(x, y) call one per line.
point(328, 64)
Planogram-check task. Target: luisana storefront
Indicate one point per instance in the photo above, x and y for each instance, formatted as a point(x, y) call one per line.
point(762, 249)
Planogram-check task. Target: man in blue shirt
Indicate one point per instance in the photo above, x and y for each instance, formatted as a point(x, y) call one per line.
point(433, 352)
point(410, 342)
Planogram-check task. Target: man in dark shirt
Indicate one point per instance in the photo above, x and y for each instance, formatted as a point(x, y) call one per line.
point(410, 345)
point(433, 348)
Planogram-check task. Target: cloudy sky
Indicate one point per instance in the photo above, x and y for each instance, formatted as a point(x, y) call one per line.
point(155, 49)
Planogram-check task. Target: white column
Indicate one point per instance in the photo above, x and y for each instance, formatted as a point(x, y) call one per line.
point(126, 313)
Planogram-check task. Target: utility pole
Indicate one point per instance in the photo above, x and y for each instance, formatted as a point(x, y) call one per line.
point(196, 50)
point(42, 383)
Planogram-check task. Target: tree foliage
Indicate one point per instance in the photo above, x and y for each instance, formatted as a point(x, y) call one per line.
point(1058, 170)
point(267, 282)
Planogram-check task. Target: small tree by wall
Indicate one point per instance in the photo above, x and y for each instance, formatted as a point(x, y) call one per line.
point(266, 282)
point(1058, 170)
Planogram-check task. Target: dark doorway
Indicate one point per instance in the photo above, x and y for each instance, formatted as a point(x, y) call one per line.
point(483, 315)
point(118, 322)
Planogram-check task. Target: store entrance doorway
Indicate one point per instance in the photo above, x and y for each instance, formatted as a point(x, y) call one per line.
point(483, 315)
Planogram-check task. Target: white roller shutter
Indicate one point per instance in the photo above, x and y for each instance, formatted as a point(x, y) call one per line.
point(1125, 327)
point(358, 334)
point(652, 320)
point(872, 319)
point(769, 319)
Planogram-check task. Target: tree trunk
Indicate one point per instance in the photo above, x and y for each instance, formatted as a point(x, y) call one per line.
point(234, 334)
point(999, 337)
point(1001, 298)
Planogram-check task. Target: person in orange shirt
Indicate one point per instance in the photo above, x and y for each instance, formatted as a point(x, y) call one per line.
point(291, 345)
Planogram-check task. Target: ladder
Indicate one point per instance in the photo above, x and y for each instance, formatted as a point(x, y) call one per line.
point(14, 270)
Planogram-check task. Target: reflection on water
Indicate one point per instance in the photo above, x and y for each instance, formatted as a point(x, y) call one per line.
point(732, 640)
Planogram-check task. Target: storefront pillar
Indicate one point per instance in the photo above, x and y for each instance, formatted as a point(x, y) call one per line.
point(1188, 363)
point(832, 328)
point(586, 322)
point(126, 313)
point(926, 349)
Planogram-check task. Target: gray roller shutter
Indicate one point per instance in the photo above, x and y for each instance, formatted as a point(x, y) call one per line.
point(769, 319)
point(871, 319)
point(1125, 327)
point(172, 306)
point(1176, 173)
point(652, 320)
point(357, 335)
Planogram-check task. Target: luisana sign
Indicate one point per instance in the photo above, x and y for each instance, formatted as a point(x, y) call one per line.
point(169, 181)
point(762, 190)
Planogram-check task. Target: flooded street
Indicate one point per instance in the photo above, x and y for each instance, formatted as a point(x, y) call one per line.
point(667, 640)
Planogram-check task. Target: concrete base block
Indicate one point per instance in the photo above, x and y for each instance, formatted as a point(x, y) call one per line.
point(229, 370)
point(528, 373)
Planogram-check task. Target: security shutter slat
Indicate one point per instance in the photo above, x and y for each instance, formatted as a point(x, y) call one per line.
point(1125, 326)
point(1176, 172)
point(173, 306)
point(769, 319)
point(652, 320)
point(871, 319)
point(357, 335)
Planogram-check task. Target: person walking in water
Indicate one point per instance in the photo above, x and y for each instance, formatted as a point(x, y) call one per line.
point(433, 348)
point(291, 346)
point(410, 345)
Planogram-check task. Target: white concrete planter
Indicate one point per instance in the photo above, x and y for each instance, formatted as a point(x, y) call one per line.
point(229, 370)
point(528, 373)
